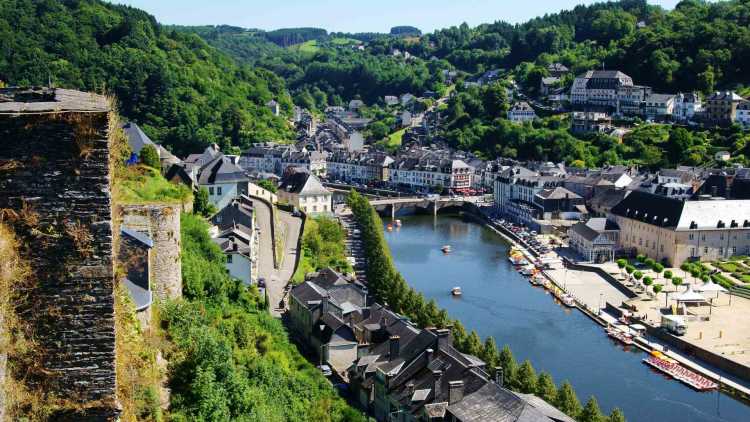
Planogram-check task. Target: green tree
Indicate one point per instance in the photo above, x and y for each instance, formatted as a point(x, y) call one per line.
point(629, 269)
point(591, 412)
point(509, 365)
point(616, 415)
point(567, 401)
point(637, 275)
point(149, 156)
point(268, 185)
point(526, 378)
point(490, 353)
point(545, 388)
point(201, 204)
point(474, 344)
point(658, 288)
point(647, 280)
point(668, 274)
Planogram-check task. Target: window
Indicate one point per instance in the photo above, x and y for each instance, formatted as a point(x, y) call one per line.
point(218, 190)
point(692, 252)
point(705, 249)
point(734, 250)
point(721, 236)
point(703, 237)
point(210, 190)
point(315, 208)
point(691, 236)
point(229, 259)
point(721, 251)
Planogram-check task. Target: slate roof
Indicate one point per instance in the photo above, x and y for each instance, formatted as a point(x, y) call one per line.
point(649, 208)
point(221, 170)
point(137, 139)
point(724, 96)
point(591, 229)
point(142, 238)
point(303, 183)
point(492, 403)
point(557, 193)
point(608, 198)
point(142, 297)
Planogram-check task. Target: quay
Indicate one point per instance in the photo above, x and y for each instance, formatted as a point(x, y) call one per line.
point(601, 317)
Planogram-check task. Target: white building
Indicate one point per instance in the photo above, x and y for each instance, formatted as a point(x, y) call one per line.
point(224, 179)
point(305, 192)
point(274, 107)
point(235, 233)
point(521, 112)
point(686, 105)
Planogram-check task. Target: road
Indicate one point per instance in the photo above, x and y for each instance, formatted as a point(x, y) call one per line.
point(276, 279)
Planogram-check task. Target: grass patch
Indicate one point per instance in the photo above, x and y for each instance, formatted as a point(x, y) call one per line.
point(322, 247)
point(143, 185)
point(307, 47)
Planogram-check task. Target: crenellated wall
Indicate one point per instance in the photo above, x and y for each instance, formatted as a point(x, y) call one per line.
point(55, 194)
point(162, 223)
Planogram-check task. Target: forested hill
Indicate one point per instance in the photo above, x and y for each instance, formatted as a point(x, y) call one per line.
point(184, 92)
point(698, 45)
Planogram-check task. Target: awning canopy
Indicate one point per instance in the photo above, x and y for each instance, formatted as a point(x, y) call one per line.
point(710, 287)
point(690, 296)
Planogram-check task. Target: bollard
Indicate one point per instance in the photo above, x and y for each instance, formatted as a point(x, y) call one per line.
point(721, 333)
point(700, 335)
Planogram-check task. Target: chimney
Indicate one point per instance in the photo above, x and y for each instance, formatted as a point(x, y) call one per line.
point(393, 347)
point(235, 247)
point(410, 388)
point(455, 391)
point(429, 353)
point(436, 384)
point(499, 375)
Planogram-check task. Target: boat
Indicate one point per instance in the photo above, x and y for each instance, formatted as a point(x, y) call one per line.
point(446, 248)
point(568, 301)
point(537, 280)
point(456, 291)
point(389, 228)
point(621, 336)
point(397, 223)
point(527, 270)
point(670, 367)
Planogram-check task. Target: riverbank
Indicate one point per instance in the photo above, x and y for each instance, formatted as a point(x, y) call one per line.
point(498, 301)
point(592, 292)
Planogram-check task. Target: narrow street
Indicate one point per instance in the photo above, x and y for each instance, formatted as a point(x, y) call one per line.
point(276, 279)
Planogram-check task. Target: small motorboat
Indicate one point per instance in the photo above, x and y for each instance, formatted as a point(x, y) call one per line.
point(397, 223)
point(528, 270)
point(568, 301)
point(446, 248)
point(456, 291)
point(537, 280)
point(389, 228)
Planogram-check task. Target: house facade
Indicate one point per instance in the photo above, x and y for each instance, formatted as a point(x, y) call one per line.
point(674, 230)
point(595, 240)
point(521, 112)
point(305, 192)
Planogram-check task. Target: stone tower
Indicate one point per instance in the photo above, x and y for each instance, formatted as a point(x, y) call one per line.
point(55, 194)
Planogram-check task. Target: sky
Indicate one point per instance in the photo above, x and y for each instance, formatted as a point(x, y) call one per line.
point(352, 15)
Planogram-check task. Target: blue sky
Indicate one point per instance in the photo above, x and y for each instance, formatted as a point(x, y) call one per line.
point(352, 15)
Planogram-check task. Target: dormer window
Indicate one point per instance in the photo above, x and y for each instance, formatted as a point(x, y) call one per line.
point(693, 225)
point(720, 225)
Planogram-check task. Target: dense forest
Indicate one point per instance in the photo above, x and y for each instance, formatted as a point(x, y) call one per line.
point(183, 92)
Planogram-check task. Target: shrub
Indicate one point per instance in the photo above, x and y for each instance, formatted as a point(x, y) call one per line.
point(150, 157)
point(621, 263)
point(637, 275)
point(668, 274)
point(629, 269)
point(648, 280)
point(658, 268)
point(640, 258)
point(658, 288)
point(201, 205)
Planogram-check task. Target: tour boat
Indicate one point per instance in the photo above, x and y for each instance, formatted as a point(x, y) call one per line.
point(446, 248)
point(456, 291)
point(670, 367)
point(568, 301)
point(397, 223)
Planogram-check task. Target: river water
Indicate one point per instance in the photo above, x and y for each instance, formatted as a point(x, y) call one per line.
point(499, 302)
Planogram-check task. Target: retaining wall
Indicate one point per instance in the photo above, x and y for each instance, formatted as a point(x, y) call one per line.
point(55, 191)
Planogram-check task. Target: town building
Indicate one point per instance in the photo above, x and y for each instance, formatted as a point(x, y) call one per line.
point(591, 122)
point(557, 70)
point(137, 139)
point(235, 234)
point(721, 107)
point(609, 90)
point(548, 84)
point(673, 230)
point(595, 240)
point(686, 106)
point(743, 114)
point(521, 112)
point(305, 192)
point(274, 107)
point(390, 100)
point(223, 179)
point(659, 106)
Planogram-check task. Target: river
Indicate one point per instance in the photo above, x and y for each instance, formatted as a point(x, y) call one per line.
point(499, 302)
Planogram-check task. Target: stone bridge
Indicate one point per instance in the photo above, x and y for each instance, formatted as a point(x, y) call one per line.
point(389, 206)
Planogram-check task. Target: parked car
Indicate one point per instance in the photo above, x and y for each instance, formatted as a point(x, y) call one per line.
point(325, 369)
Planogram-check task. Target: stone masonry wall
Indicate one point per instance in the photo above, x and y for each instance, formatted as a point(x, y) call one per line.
point(162, 224)
point(55, 192)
